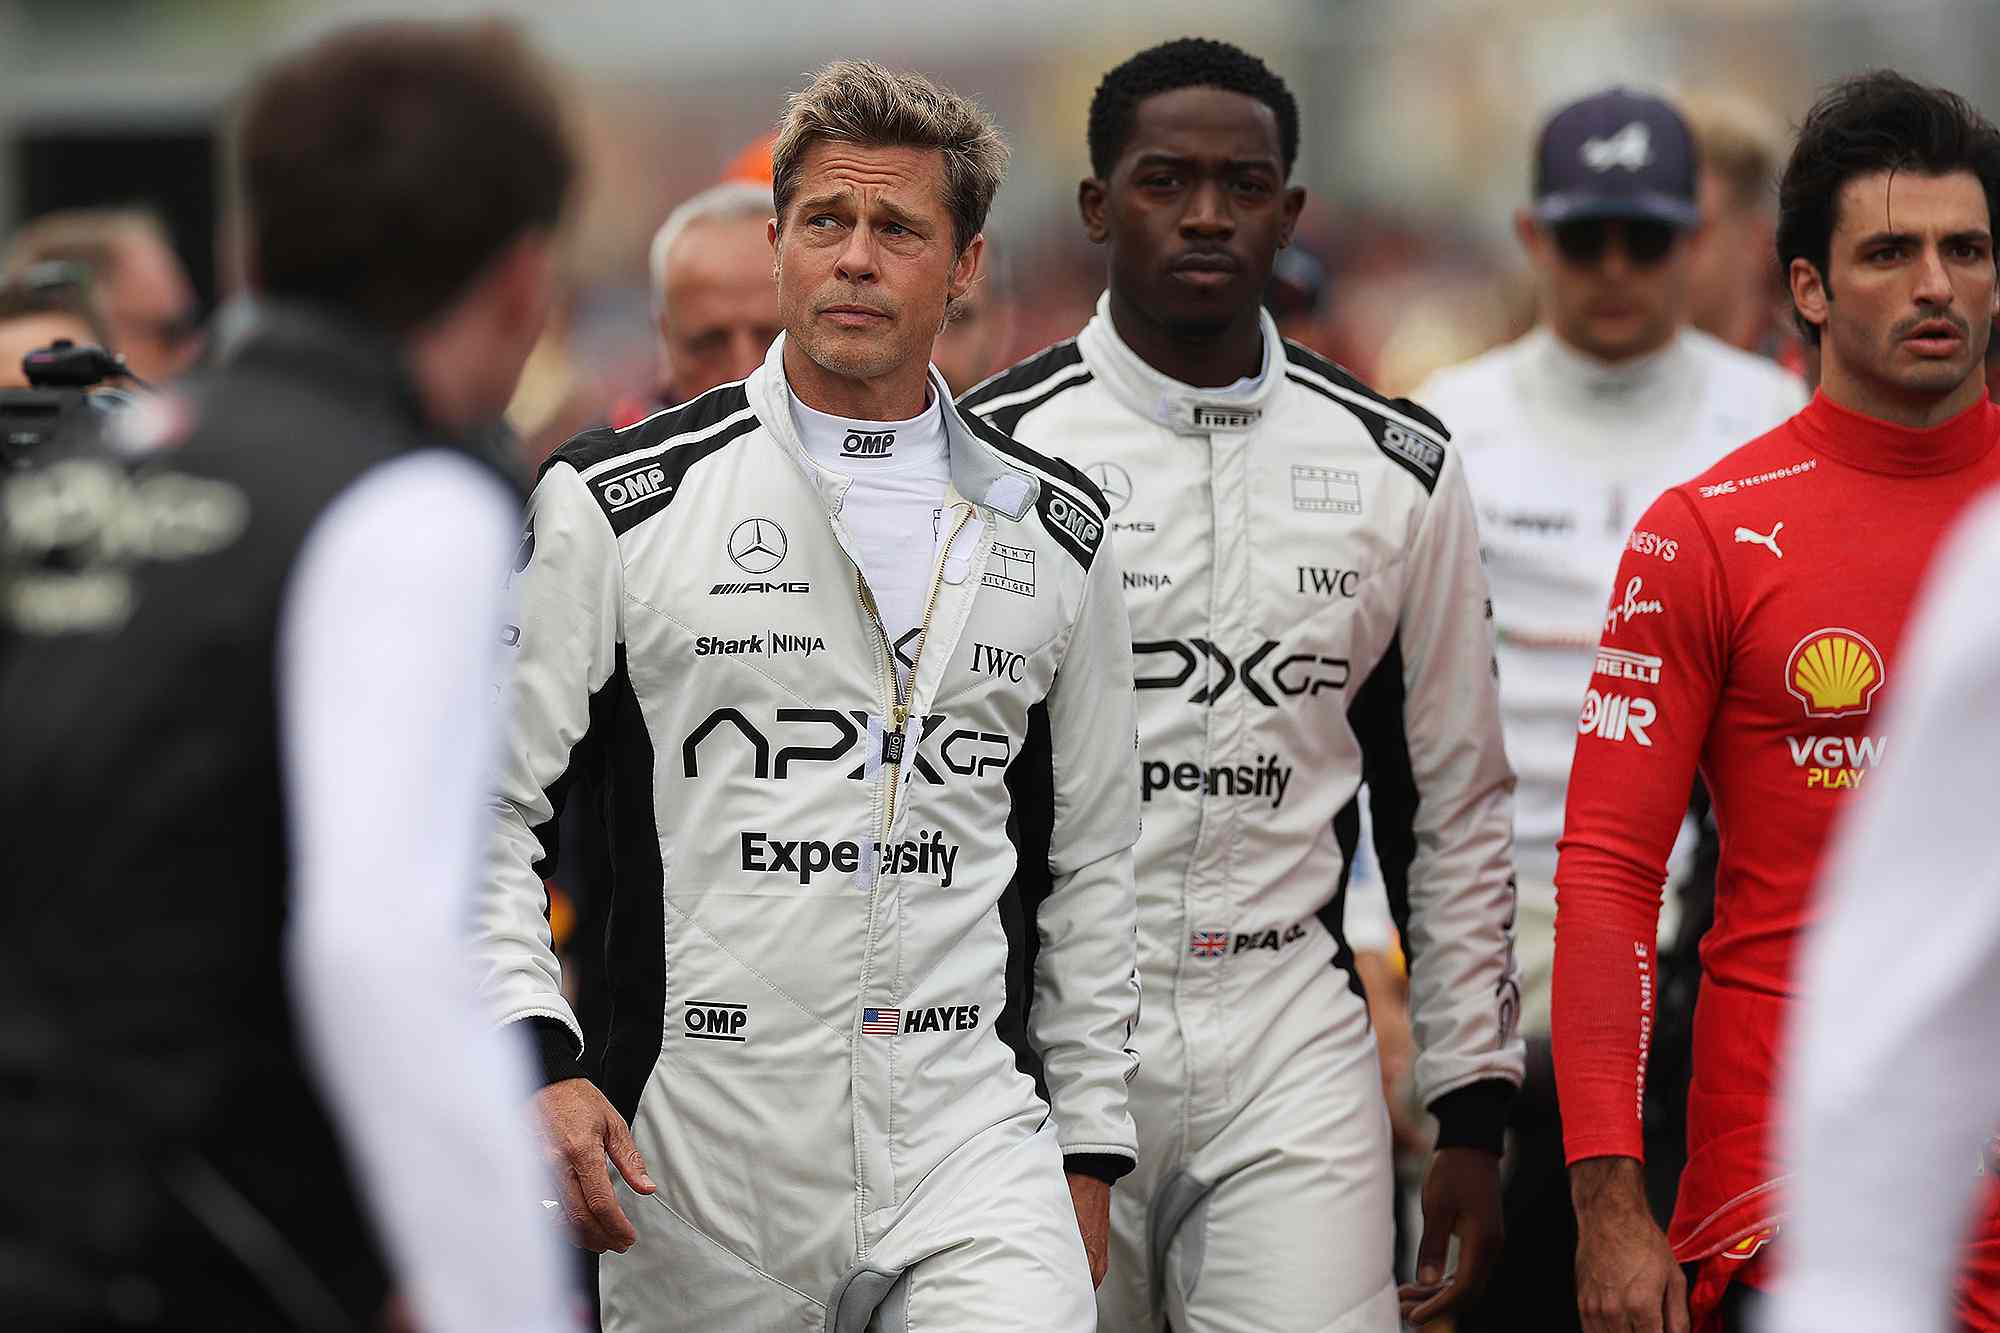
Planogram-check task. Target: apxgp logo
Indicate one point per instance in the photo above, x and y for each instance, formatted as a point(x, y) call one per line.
point(842, 739)
point(1296, 674)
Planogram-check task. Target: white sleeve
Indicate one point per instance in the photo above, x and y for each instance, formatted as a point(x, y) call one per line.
point(387, 656)
point(1893, 1089)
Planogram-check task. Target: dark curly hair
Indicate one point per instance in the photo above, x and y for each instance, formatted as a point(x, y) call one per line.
point(1188, 62)
point(1877, 121)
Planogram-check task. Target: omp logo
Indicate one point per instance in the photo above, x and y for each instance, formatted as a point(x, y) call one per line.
point(1074, 520)
point(713, 1020)
point(1621, 665)
point(1834, 673)
point(630, 488)
point(1616, 716)
point(757, 545)
point(1114, 481)
point(1210, 417)
point(828, 736)
point(859, 445)
point(1292, 675)
point(1631, 148)
point(1426, 454)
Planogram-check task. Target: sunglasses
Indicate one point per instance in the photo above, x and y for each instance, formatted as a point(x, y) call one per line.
point(1645, 242)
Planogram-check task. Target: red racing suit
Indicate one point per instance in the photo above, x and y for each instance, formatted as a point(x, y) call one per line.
point(1756, 616)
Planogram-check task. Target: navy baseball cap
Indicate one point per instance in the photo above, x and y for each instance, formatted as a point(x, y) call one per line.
point(1616, 154)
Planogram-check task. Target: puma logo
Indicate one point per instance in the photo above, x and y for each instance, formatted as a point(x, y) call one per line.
point(1745, 535)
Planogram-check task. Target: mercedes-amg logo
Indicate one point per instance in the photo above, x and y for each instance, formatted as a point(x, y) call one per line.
point(1114, 481)
point(757, 546)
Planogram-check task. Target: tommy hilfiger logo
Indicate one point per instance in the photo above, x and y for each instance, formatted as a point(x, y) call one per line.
point(1325, 490)
point(1012, 568)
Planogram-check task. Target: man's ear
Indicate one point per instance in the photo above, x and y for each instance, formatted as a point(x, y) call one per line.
point(1090, 198)
point(966, 270)
point(1528, 234)
point(1810, 293)
point(1295, 202)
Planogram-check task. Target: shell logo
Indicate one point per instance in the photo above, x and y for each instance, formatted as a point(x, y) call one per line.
point(1748, 1247)
point(1834, 673)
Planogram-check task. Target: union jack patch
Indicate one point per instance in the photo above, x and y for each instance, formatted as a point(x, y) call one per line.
point(1208, 943)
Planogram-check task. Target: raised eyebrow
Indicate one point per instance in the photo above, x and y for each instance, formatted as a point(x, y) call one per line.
point(901, 216)
point(1878, 238)
point(817, 202)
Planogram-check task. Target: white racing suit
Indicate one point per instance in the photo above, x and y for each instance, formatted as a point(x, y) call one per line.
point(833, 905)
point(1307, 605)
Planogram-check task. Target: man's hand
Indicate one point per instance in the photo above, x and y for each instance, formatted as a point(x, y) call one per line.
point(1092, 1199)
point(1461, 1198)
point(1626, 1277)
point(579, 1130)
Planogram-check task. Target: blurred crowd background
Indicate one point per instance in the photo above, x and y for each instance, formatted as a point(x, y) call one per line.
point(1418, 120)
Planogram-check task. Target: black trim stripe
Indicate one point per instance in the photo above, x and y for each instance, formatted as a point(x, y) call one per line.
point(603, 443)
point(1031, 792)
point(1006, 419)
point(631, 495)
point(636, 932)
point(1346, 832)
point(1346, 379)
point(1418, 455)
point(1051, 360)
point(1376, 715)
point(1055, 469)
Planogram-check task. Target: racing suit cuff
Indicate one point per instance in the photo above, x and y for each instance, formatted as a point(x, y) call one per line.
point(555, 1049)
point(1474, 1116)
point(1103, 1166)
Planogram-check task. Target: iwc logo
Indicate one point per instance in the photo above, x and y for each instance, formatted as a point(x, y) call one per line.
point(757, 545)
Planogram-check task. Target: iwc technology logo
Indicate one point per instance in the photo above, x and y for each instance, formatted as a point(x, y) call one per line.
point(1834, 673)
point(757, 545)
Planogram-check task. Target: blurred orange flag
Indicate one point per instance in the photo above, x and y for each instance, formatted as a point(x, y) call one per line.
point(753, 164)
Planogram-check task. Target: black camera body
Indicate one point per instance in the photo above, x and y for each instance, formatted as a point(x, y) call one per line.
point(64, 404)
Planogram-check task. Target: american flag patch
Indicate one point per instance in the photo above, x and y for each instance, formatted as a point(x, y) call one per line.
point(1208, 943)
point(881, 1022)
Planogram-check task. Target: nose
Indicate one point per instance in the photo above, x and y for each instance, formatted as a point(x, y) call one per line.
point(1933, 280)
point(856, 262)
point(1208, 212)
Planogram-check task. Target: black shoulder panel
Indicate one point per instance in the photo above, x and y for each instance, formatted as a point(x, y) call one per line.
point(1073, 509)
point(648, 460)
point(1048, 362)
point(1415, 451)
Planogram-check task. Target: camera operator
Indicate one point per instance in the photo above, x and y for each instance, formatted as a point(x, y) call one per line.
point(245, 746)
point(40, 306)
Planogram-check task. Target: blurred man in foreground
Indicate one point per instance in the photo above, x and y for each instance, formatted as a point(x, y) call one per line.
point(1733, 288)
point(38, 306)
point(135, 278)
point(1303, 575)
point(248, 722)
point(1758, 611)
point(1565, 433)
point(853, 680)
point(1892, 1092)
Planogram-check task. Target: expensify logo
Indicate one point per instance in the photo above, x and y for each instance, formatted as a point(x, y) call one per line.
point(1267, 778)
point(925, 854)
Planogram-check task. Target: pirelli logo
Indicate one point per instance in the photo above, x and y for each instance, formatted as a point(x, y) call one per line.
point(1621, 665)
point(1012, 568)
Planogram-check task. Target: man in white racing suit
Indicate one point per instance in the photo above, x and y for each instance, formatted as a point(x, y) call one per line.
point(1566, 435)
point(853, 675)
point(1307, 604)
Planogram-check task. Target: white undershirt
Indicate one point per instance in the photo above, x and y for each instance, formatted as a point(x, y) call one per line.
point(387, 662)
point(898, 474)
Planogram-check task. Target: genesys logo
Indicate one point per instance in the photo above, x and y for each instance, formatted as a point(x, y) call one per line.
point(873, 444)
point(1266, 778)
point(1621, 665)
point(1652, 543)
point(1834, 673)
point(798, 738)
point(1617, 716)
point(1835, 763)
point(715, 1020)
point(926, 854)
point(1168, 664)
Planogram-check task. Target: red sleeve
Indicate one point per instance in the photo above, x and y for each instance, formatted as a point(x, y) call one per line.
point(1655, 686)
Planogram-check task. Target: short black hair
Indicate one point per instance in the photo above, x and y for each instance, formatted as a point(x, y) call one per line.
point(383, 167)
point(1188, 62)
point(1876, 121)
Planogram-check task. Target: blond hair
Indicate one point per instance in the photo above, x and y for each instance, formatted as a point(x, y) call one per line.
point(1741, 142)
point(859, 102)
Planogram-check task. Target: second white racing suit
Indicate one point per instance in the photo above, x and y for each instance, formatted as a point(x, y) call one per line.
point(1307, 604)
